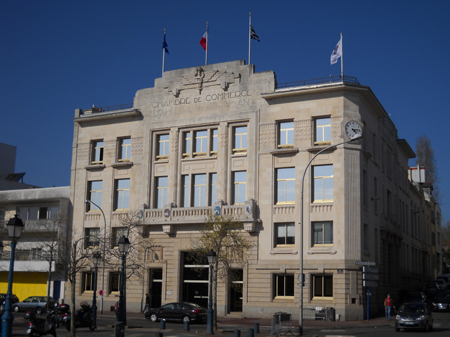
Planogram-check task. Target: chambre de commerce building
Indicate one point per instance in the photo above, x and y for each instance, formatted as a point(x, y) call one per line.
point(223, 137)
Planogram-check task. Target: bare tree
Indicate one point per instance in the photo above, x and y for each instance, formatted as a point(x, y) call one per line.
point(446, 247)
point(225, 236)
point(426, 159)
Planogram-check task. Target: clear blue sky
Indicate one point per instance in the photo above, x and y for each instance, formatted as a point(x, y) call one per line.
point(56, 56)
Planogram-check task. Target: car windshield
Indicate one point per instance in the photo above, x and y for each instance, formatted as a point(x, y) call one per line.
point(413, 308)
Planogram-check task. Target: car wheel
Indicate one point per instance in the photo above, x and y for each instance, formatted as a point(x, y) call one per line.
point(186, 319)
point(39, 310)
point(16, 309)
point(153, 317)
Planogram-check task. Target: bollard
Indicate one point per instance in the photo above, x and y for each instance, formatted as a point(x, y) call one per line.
point(237, 333)
point(186, 325)
point(159, 334)
point(162, 325)
point(256, 327)
point(250, 332)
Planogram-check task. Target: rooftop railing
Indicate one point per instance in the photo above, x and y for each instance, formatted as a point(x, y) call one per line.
point(110, 108)
point(29, 255)
point(321, 80)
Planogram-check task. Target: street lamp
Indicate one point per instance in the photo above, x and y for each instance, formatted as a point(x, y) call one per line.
point(300, 277)
point(124, 246)
point(15, 227)
point(96, 257)
point(104, 251)
point(211, 260)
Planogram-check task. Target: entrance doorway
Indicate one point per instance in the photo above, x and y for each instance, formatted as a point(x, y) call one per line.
point(195, 280)
point(155, 284)
point(236, 289)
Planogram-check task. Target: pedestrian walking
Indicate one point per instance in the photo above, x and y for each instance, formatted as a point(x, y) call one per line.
point(388, 305)
point(147, 303)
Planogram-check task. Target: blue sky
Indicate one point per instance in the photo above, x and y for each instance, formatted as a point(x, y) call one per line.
point(56, 56)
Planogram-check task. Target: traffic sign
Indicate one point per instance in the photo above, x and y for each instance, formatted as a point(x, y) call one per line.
point(368, 263)
point(373, 277)
point(100, 292)
point(371, 284)
point(372, 270)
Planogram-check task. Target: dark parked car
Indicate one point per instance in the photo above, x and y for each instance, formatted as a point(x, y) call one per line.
point(3, 300)
point(177, 311)
point(430, 289)
point(34, 303)
point(414, 315)
point(441, 283)
point(442, 301)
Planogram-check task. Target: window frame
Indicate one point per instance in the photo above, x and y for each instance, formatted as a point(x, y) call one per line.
point(87, 279)
point(322, 130)
point(288, 281)
point(242, 137)
point(161, 192)
point(188, 194)
point(284, 133)
point(288, 227)
point(122, 195)
point(162, 153)
point(324, 233)
point(124, 153)
point(88, 237)
point(111, 282)
point(288, 186)
point(98, 152)
point(322, 295)
point(200, 143)
point(98, 199)
point(118, 231)
point(322, 178)
point(238, 185)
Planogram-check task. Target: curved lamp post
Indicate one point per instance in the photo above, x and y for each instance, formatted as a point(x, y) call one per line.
point(124, 246)
point(96, 257)
point(300, 313)
point(104, 250)
point(15, 226)
point(211, 260)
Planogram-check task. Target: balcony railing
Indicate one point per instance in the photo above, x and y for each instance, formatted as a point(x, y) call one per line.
point(29, 255)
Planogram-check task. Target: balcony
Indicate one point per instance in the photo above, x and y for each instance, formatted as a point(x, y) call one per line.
point(28, 260)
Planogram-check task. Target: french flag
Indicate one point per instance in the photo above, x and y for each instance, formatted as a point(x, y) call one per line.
point(203, 41)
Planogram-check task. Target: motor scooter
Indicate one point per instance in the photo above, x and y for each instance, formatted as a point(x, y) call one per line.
point(61, 316)
point(39, 326)
point(83, 317)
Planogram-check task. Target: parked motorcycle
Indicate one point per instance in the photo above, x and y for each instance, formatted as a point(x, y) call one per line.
point(83, 317)
point(39, 326)
point(61, 315)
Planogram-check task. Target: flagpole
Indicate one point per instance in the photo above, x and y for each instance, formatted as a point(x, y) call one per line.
point(164, 53)
point(342, 58)
point(249, 36)
point(207, 44)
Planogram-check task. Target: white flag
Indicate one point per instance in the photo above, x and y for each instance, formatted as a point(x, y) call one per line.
point(337, 52)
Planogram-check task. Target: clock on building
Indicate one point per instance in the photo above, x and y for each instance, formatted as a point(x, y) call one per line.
point(352, 129)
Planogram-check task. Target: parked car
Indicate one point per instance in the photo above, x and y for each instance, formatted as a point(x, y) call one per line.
point(177, 311)
point(14, 299)
point(445, 277)
point(414, 315)
point(441, 283)
point(34, 303)
point(442, 301)
point(430, 289)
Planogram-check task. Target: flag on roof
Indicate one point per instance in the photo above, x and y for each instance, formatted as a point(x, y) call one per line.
point(337, 52)
point(203, 40)
point(253, 34)
point(164, 45)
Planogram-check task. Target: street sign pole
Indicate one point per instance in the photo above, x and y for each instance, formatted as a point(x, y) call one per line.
point(368, 303)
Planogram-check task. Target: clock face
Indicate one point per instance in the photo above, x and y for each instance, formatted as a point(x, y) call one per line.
point(352, 128)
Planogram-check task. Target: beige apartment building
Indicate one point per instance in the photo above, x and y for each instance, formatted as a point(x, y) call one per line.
point(223, 138)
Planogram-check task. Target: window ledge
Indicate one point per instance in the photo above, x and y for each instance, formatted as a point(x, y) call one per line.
point(95, 167)
point(278, 152)
point(185, 159)
point(322, 250)
point(318, 148)
point(122, 164)
point(239, 154)
point(276, 251)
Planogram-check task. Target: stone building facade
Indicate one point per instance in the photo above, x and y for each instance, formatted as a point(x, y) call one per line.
point(227, 139)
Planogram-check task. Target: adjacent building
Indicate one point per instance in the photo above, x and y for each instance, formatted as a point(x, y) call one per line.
point(227, 139)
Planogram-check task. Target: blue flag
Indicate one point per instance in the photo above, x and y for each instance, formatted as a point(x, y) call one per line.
point(164, 45)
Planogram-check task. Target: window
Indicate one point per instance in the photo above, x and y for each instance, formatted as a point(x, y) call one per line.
point(114, 282)
point(322, 286)
point(323, 183)
point(117, 234)
point(95, 195)
point(87, 283)
point(38, 213)
point(285, 234)
point(97, 152)
point(214, 142)
point(186, 144)
point(186, 190)
point(125, 149)
point(201, 143)
point(161, 191)
point(163, 147)
point(92, 237)
point(240, 139)
point(323, 233)
point(240, 184)
point(286, 134)
point(285, 186)
point(323, 131)
point(213, 188)
point(283, 286)
point(199, 190)
point(122, 194)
